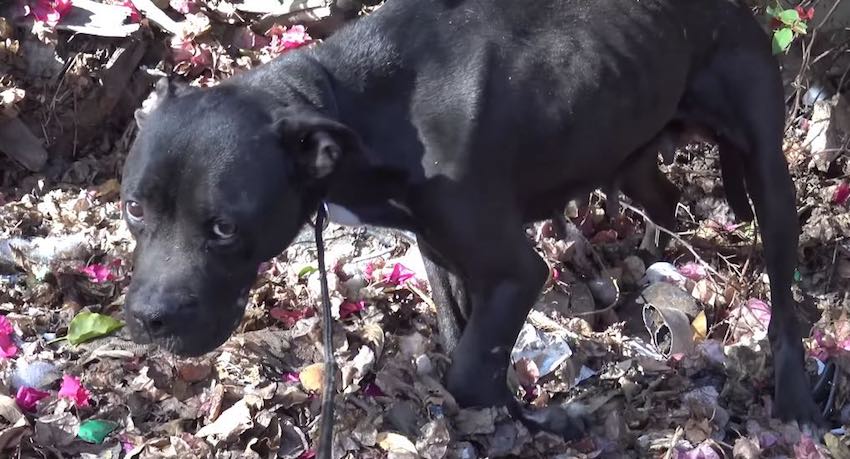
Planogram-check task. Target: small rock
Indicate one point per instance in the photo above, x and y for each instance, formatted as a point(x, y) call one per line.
point(476, 421)
point(633, 270)
point(36, 374)
point(746, 449)
point(663, 272)
point(462, 450)
point(412, 345)
point(581, 299)
point(403, 417)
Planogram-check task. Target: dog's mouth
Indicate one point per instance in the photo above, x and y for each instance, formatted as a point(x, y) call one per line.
point(209, 332)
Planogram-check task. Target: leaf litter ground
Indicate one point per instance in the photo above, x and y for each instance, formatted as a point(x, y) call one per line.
point(669, 360)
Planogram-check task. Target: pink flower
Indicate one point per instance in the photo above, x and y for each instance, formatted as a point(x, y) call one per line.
point(291, 377)
point(309, 454)
point(290, 317)
point(805, 14)
point(27, 397)
point(841, 193)
point(184, 6)
point(350, 307)
point(399, 275)
point(135, 14)
point(73, 390)
point(98, 273)
point(49, 12)
point(8, 349)
point(372, 390)
point(369, 270)
point(692, 271)
point(6, 327)
point(198, 56)
point(283, 39)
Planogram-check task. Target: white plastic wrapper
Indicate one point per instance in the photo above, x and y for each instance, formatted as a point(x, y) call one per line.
point(546, 350)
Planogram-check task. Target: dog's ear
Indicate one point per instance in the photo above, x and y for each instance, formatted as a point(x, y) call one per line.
point(166, 87)
point(317, 143)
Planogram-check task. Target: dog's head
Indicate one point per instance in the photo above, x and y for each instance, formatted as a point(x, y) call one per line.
point(216, 182)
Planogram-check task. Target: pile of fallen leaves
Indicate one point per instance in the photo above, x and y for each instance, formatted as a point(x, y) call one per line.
point(666, 360)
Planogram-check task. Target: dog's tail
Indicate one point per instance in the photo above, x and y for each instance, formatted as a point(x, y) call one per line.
point(732, 174)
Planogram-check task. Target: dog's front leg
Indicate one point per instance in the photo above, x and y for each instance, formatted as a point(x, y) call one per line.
point(482, 236)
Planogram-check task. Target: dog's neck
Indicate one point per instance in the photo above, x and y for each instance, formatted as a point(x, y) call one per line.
point(366, 188)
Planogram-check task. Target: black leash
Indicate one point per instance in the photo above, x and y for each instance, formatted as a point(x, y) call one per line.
point(328, 391)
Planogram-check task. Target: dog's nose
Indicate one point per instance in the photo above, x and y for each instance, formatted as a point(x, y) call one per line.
point(165, 317)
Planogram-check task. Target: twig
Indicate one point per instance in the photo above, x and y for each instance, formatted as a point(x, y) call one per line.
point(673, 440)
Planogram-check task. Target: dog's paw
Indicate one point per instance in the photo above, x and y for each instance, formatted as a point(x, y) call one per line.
point(567, 423)
point(793, 399)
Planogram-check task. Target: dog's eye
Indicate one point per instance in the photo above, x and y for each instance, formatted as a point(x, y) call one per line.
point(134, 210)
point(223, 229)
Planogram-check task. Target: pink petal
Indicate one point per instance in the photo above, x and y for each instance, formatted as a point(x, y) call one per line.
point(27, 397)
point(283, 39)
point(693, 271)
point(290, 317)
point(399, 275)
point(98, 273)
point(759, 310)
point(63, 6)
point(841, 193)
point(369, 270)
point(350, 307)
point(8, 349)
point(527, 372)
point(291, 377)
point(309, 454)
point(372, 390)
point(182, 49)
point(135, 15)
point(806, 449)
point(73, 389)
point(6, 327)
point(184, 6)
point(126, 444)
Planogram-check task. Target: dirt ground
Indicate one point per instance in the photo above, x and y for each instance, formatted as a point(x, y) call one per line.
point(603, 335)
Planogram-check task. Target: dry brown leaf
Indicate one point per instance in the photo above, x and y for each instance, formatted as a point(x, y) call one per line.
point(312, 377)
point(392, 442)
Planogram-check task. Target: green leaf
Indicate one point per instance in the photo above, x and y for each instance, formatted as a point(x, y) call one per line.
point(771, 11)
point(789, 17)
point(782, 40)
point(87, 326)
point(797, 276)
point(306, 271)
point(95, 430)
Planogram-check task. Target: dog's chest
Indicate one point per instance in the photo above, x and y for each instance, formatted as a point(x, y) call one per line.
point(342, 216)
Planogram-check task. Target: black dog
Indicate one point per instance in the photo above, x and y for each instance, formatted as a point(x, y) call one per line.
point(461, 121)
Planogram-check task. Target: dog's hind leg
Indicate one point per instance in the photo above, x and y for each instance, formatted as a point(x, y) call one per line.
point(743, 90)
point(449, 295)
